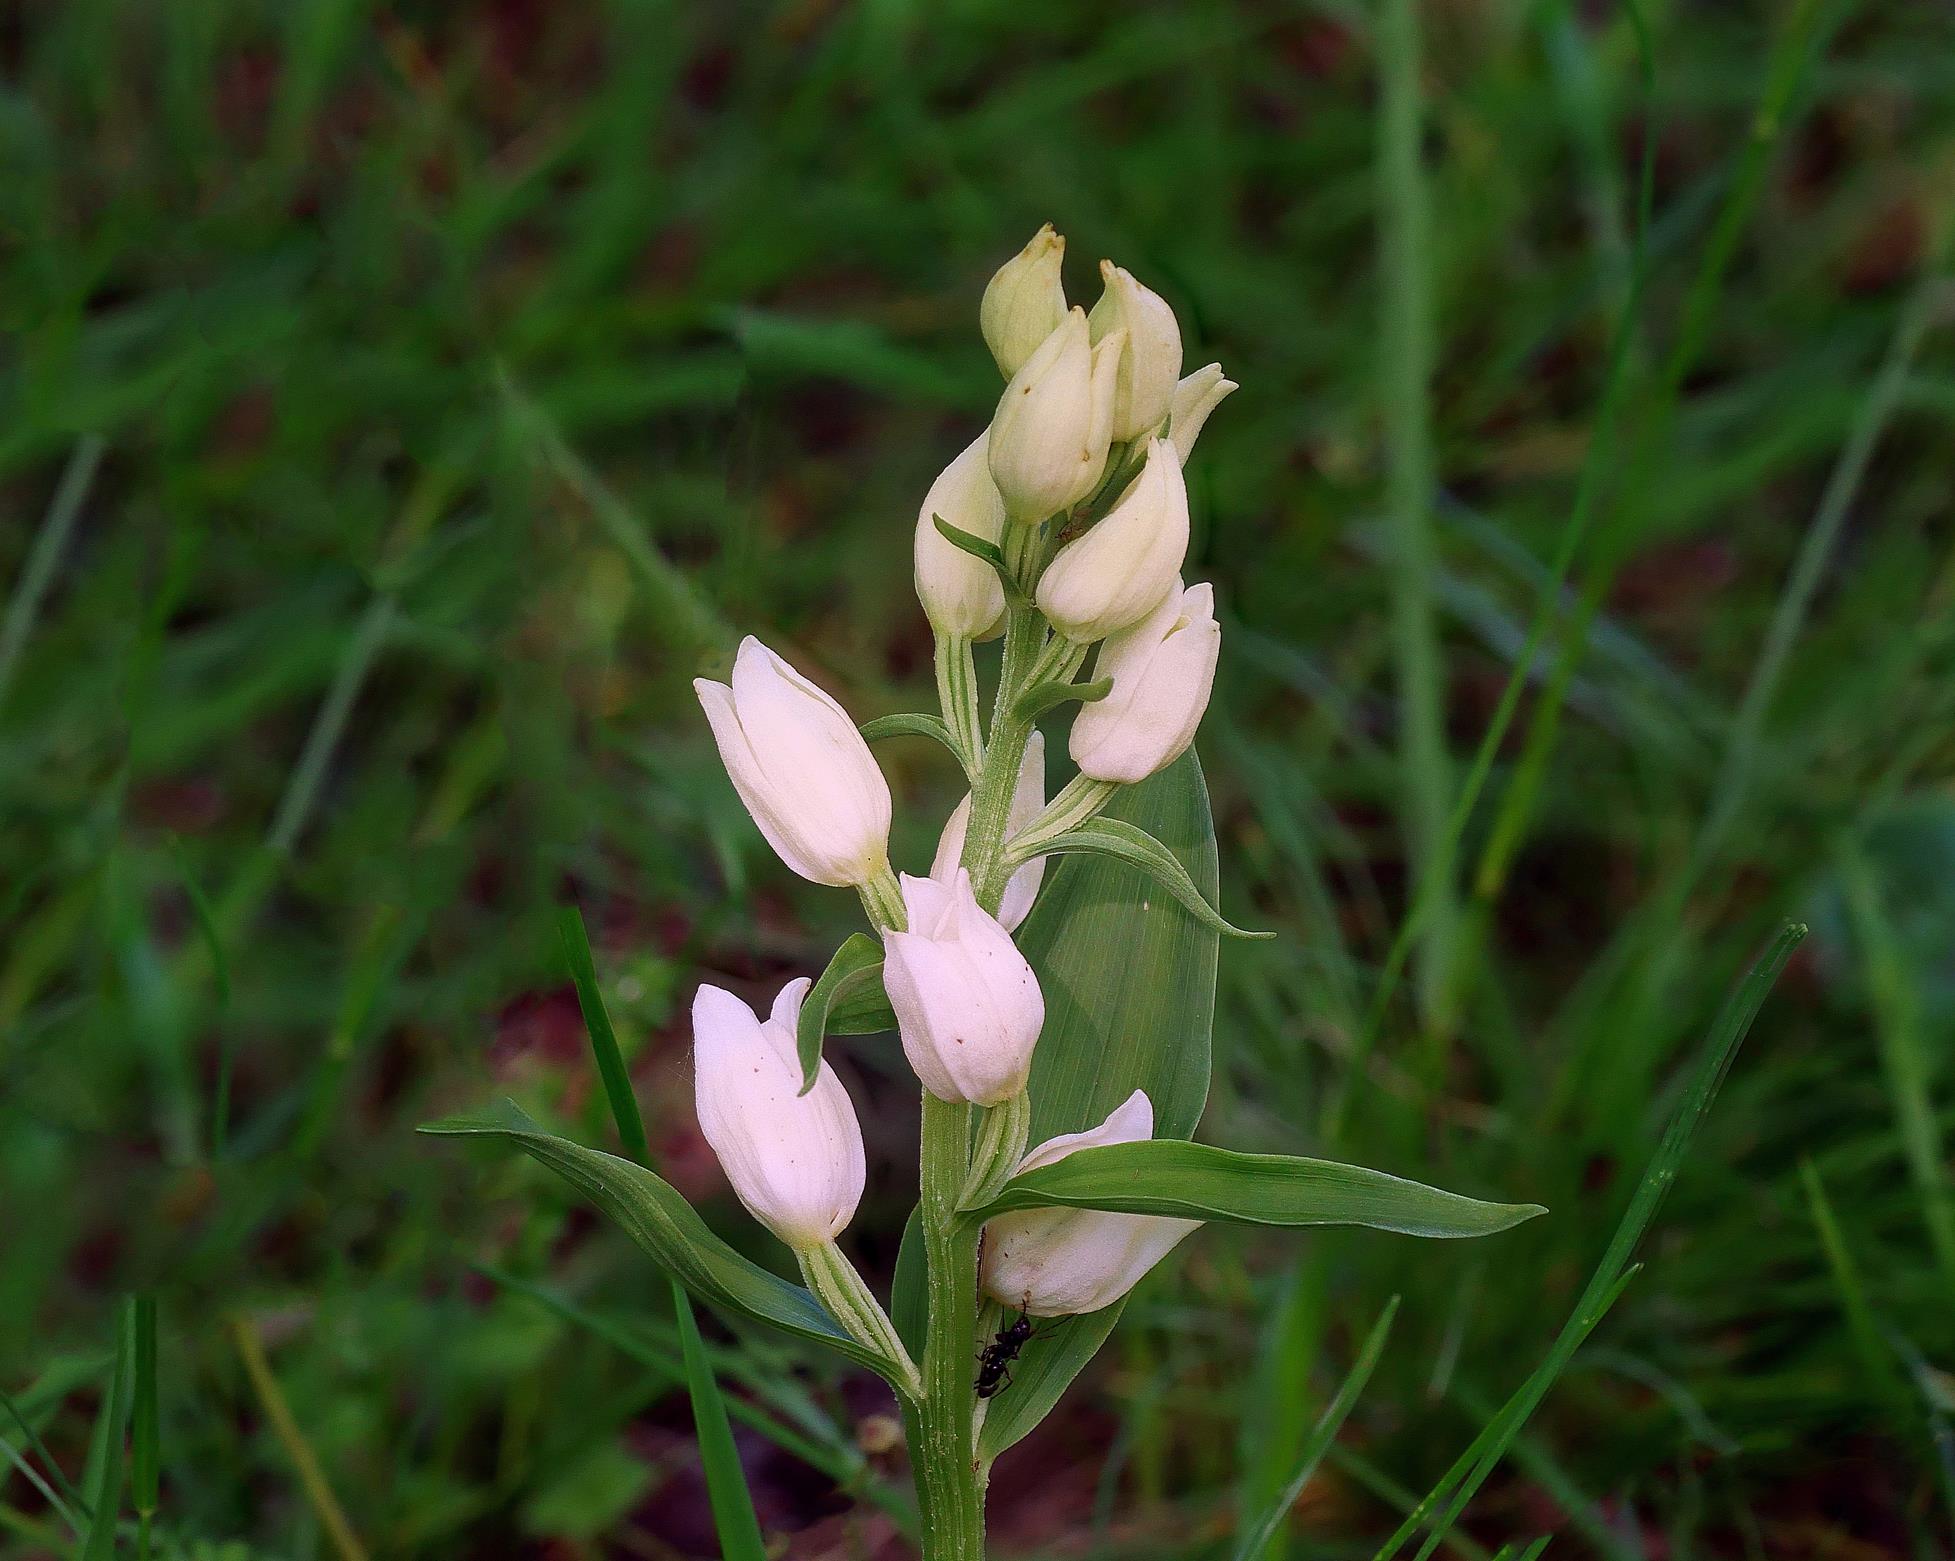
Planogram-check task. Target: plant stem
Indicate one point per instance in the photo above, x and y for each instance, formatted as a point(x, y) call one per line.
point(943, 1437)
point(957, 692)
point(837, 1285)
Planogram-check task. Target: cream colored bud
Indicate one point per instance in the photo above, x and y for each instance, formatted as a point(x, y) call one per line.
point(1194, 398)
point(960, 594)
point(1144, 390)
point(1060, 1262)
point(1024, 301)
point(1050, 434)
point(1119, 571)
point(1027, 799)
point(967, 1005)
point(801, 767)
point(1163, 669)
point(795, 1160)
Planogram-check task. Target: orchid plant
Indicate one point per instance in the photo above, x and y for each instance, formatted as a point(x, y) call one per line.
point(1071, 1006)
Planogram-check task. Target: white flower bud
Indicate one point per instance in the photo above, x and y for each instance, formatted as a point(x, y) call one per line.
point(1027, 799)
point(1024, 301)
point(1194, 398)
point(1162, 669)
point(961, 594)
point(795, 1160)
point(967, 1004)
point(1145, 386)
point(1050, 433)
point(801, 768)
point(1061, 1262)
point(1118, 572)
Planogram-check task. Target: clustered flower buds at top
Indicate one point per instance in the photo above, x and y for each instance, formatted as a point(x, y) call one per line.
point(1162, 669)
point(967, 1005)
point(1194, 398)
point(1024, 301)
point(795, 1160)
point(1027, 798)
point(1118, 572)
point(961, 595)
point(1054, 422)
point(1144, 387)
point(1057, 1262)
point(801, 767)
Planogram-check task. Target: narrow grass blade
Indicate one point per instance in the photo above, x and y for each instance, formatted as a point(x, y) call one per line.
point(1905, 1054)
point(106, 1453)
point(604, 1040)
point(1321, 1436)
point(1470, 1470)
point(285, 1427)
point(145, 1458)
point(726, 1480)
point(1875, 1358)
point(50, 542)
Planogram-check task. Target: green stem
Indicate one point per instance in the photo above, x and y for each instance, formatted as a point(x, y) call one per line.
point(943, 1435)
point(882, 899)
point(1002, 1132)
point(957, 693)
point(1080, 799)
point(837, 1285)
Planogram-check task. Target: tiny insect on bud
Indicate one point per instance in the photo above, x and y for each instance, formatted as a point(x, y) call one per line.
point(1024, 301)
point(801, 767)
point(967, 1005)
point(1119, 572)
point(795, 1160)
point(1058, 1262)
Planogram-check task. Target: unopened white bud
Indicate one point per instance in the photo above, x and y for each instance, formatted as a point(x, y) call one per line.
point(801, 767)
point(1194, 398)
point(1061, 1262)
point(795, 1160)
point(1119, 571)
point(960, 594)
point(1145, 387)
point(1050, 433)
point(967, 1004)
point(1024, 301)
point(1027, 799)
point(1163, 669)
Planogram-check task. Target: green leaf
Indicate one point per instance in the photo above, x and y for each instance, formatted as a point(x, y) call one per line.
point(986, 552)
point(105, 1448)
point(909, 1298)
point(726, 1481)
point(666, 1226)
point(854, 966)
point(1129, 985)
point(911, 724)
point(604, 1040)
point(865, 1011)
point(1201, 1182)
point(1052, 693)
point(1124, 843)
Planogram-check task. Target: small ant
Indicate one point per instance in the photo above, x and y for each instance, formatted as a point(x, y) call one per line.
point(994, 1360)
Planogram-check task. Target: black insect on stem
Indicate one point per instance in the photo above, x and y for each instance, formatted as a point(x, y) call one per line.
point(994, 1360)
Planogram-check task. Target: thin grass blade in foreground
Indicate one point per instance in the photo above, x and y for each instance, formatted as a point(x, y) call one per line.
point(1321, 1436)
point(105, 1451)
point(726, 1481)
point(1459, 1484)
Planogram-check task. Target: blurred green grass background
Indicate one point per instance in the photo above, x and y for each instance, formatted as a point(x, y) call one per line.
point(400, 404)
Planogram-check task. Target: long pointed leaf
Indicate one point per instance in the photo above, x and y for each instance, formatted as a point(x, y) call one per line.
point(1125, 843)
point(654, 1215)
point(1199, 1181)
